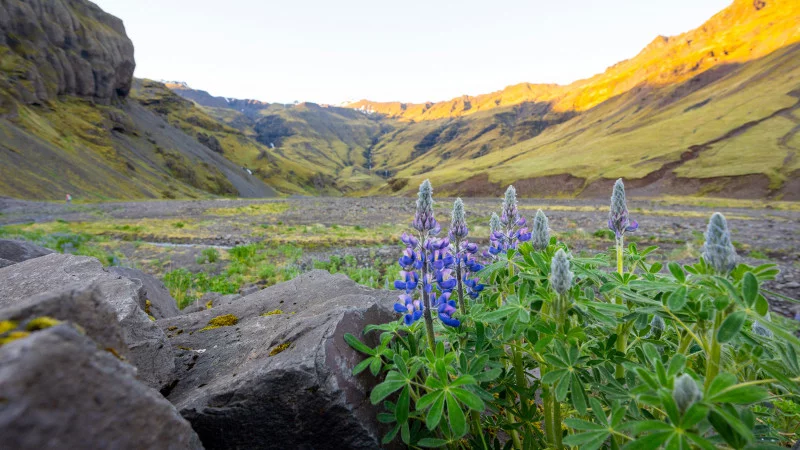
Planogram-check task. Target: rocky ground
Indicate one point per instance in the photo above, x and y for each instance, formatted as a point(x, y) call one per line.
point(762, 232)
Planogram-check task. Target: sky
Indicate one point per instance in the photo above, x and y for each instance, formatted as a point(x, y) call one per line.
point(331, 52)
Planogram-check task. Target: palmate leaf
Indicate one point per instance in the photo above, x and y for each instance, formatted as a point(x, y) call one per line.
point(394, 381)
point(591, 440)
point(458, 422)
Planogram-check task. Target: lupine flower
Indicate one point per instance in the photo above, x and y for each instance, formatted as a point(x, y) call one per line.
point(446, 308)
point(510, 214)
point(458, 222)
point(408, 282)
point(560, 275)
point(686, 393)
point(410, 307)
point(718, 250)
point(445, 280)
point(474, 287)
point(618, 219)
point(409, 240)
point(424, 222)
point(541, 231)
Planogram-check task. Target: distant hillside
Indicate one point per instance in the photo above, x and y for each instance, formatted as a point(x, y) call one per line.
point(328, 149)
point(69, 126)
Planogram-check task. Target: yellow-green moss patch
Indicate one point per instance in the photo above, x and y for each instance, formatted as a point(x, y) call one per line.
point(13, 336)
point(40, 323)
point(279, 348)
point(7, 325)
point(274, 312)
point(221, 321)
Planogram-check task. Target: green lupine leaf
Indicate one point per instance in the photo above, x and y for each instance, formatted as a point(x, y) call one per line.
point(360, 367)
point(391, 434)
point(646, 425)
point(401, 410)
point(677, 272)
point(428, 399)
point(762, 306)
point(649, 442)
point(598, 412)
point(472, 401)
point(562, 387)
point(457, 420)
point(591, 440)
point(740, 394)
point(488, 375)
point(551, 377)
point(749, 289)
point(432, 443)
point(375, 366)
point(676, 364)
point(693, 415)
point(463, 380)
point(580, 424)
point(722, 381)
point(731, 326)
point(435, 413)
point(357, 345)
point(577, 394)
point(677, 299)
point(393, 382)
point(734, 422)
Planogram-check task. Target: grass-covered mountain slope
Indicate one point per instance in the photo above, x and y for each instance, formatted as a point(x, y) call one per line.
point(712, 111)
point(68, 125)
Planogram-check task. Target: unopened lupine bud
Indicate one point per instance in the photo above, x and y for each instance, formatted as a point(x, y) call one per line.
point(541, 231)
point(619, 220)
point(760, 330)
point(494, 223)
point(510, 213)
point(423, 219)
point(560, 275)
point(686, 392)
point(718, 250)
point(657, 326)
point(458, 221)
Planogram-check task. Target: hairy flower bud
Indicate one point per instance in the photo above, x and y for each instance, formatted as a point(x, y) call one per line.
point(761, 330)
point(718, 250)
point(494, 223)
point(424, 221)
point(686, 392)
point(541, 231)
point(619, 220)
point(510, 213)
point(657, 326)
point(458, 221)
point(560, 275)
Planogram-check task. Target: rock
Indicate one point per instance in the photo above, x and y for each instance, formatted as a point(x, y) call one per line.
point(289, 370)
point(18, 251)
point(5, 263)
point(79, 304)
point(154, 297)
point(792, 285)
point(211, 142)
point(60, 391)
point(247, 290)
point(64, 47)
point(149, 349)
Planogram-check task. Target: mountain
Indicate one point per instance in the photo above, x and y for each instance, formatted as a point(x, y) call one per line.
point(69, 124)
point(712, 111)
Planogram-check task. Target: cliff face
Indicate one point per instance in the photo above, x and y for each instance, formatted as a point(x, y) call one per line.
point(62, 47)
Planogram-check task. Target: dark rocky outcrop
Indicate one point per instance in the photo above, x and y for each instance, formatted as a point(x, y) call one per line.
point(57, 47)
point(271, 370)
point(18, 251)
point(154, 297)
point(61, 391)
point(149, 350)
point(81, 305)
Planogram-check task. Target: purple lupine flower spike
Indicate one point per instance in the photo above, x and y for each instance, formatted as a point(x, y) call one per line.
point(619, 220)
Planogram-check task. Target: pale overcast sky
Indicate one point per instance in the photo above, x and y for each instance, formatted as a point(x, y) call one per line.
point(413, 51)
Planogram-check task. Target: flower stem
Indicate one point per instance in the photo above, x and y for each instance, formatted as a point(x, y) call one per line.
point(460, 288)
point(622, 338)
point(476, 424)
point(557, 424)
point(715, 353)
point(427, 302)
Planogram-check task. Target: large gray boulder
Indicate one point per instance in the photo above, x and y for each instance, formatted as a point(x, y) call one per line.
point(148, 347)
point(154, 297)
point(60, 391)
point(18, 251)
point(281, 380)
point(79, 304)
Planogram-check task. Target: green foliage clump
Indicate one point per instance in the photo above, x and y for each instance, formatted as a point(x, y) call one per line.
point(208, 255)
point(605, 351)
